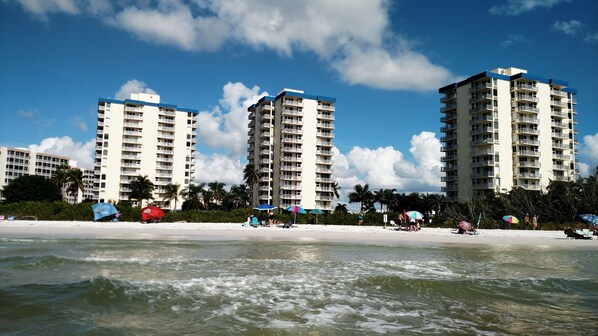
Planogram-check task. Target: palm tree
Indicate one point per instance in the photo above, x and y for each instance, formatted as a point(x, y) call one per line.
point(207, 196)
point(237, 197)
point(75, 181)
point(335, 189)
point(251, 176)
point(218, 192)
point(141, 188)
point(193, 196)
point(340, 208)
point(384, 196)
point(173, 192)
point(361, 194)
point(61, 175)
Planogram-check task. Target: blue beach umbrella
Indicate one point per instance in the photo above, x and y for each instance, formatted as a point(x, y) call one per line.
point(317, 212)
point(590, 218)
point(266, 207)
point(101, 210)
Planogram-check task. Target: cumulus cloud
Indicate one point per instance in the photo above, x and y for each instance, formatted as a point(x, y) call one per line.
point(83, 153)
point(567, 27)
point(516, 7)
point(403, 69)
point(354, 37)
point(226, 126)
point(386, 167)
point(218, 167)
point(132, 86)
point(590, 149)
point(591, 38)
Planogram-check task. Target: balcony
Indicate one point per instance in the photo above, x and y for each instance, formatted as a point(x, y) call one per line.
point(558, 167)
point(534, 176)
point(292, 121)
point(528, 109)
point(482, 130)
point(525, 87)
point(528, 120)
point(487, 185)
point(446, 158)
point(528, 164)
point(527, 142)
point(292, 131)
point(480, 98)
point(292, 159)
point(166, 112)
point(527, 130)
point(133, 124)
point(529, 186)
point(131, 148)
point(558, 135)
point(558, 103)
point(448, 118)
point(484, 163)
point(560, 156)
point(448, 107)
point(292, 112)
point(558, 93)
point(559, 124)
point(133, 116)
point(482, 108)
point(557, 113)
point(480, 86)
point(325, 116)
point(448, 137)
point(482, 119)
point(325, 134)
point(448, 148)
point(291, 140)
point(527, 98)
point(482, 152)
point(165, 128)
point(324, 152)
point(290, 102)
point(487, 141)
point(485, 174)
point(133, 108)
point(325, 125)
point(527, 153)
point(326, 107)
point(449, 97)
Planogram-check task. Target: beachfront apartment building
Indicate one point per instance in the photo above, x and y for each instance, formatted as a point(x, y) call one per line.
point(290, 146)
point(16, 162)
point(141, 136)
point(506, 128)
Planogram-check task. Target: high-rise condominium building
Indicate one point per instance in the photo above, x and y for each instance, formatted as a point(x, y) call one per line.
point(290, 146)
point(141, 136)
point(15, 162)
point(506, 128)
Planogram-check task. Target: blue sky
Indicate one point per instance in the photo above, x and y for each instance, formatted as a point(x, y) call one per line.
point(382, 60)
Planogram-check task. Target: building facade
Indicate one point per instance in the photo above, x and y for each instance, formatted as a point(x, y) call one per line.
point(290, 146)
point(506, 128)
point(142, 136)
point(16, 162)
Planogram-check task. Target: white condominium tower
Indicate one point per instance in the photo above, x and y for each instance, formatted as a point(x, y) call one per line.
point(141, 136)
point(290, 145)
point(16, 162)
point(504, 129)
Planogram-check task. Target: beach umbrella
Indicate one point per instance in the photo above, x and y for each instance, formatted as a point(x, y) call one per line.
point(590, 218)
point(317, 212)
point(465, 226)
point(151, 214)
point(415, 215)
point(265, 207)
point(296, 209)
point(510, 219)
point(101, 210)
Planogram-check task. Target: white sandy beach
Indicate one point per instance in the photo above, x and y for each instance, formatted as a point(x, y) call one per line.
point(299, 233)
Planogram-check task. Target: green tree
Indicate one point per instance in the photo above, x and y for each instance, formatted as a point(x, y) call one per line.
point(173, 192)
point(237, 197)
point(363, 195)
point(218, 192)
point(31, 188)
point(384, 197)
point(141, 189)
point(193, 197)
point(341, 208)
point(75, 181)
point(335, 189)
point(251, 176)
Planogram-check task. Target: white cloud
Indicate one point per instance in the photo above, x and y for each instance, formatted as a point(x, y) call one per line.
point(591, 37)
point(83, 153)
point(132, 86)
point(567, 27)
point(513, 39)
point(590, 149)
point(516, 7)
point(584, 169)
point(228, 129)
point(41, 8)
point(218, 167)
point(378, 68)
point(27, 113)
point(354, 37)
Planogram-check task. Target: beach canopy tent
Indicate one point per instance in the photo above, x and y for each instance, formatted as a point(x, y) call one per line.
point(151, 214)
point(101, 210)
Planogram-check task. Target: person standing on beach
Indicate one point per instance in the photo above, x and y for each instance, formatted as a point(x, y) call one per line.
point(534, 221)
point(360, 218)
point(526, 221)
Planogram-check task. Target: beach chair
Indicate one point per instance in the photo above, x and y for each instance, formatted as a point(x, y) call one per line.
point(255, 222)
point(394, 225)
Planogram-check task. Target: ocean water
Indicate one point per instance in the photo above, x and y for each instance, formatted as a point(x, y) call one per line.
point(126, 287)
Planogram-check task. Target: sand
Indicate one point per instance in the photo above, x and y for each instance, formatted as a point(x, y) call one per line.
point(299, 233)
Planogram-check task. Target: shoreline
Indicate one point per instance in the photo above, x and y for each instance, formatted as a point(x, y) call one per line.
point(372, 235)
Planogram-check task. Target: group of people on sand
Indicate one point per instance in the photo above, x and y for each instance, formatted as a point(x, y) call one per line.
point(534, 222)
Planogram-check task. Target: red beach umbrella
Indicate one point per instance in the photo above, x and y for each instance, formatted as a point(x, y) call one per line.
point(151, 214)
